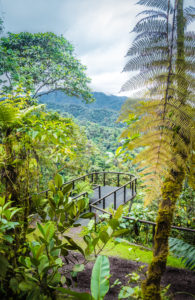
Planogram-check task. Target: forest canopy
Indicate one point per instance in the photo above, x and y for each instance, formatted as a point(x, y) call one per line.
point(41, 63)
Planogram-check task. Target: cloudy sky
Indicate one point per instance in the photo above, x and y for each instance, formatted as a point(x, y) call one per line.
point(98, 29)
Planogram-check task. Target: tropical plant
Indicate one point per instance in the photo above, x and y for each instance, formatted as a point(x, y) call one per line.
point(163, 124)
point(97, 235)
point(31, 266)
point(35, 144)
point(41, 62)
point(99, 282)
point(184, 251)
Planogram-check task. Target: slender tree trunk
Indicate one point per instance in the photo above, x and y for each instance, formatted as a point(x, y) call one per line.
point(170, 191)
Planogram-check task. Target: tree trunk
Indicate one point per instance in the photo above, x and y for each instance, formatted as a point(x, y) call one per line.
point(170, 191)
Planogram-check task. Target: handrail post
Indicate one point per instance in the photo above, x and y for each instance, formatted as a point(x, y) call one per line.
point(96, 175)
point(124, 193)
point(73, 185)
point(115, 200)
point(104, 178)
point(103, 203)
point(135, 186)
point(99, 190)
point(130, 186)
point(92, 177)
point(118, 179)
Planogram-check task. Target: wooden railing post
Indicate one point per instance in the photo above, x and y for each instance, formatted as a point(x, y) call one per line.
point(124, 193)
point(118, 179)
point(103, 203)
point(104, 178)
point(92, 177)
point(115, 200)
point(99, 191)
point(96, 179)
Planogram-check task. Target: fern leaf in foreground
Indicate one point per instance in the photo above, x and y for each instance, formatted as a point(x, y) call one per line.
point(184, 251)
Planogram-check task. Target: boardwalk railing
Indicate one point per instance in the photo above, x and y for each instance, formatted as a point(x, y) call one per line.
point(99, 179)
point(123, 188)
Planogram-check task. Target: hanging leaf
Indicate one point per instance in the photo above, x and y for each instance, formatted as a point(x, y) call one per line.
point(58, 180)
point(100, 278)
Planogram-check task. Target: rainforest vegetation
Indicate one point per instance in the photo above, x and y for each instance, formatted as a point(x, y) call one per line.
point(54, 128)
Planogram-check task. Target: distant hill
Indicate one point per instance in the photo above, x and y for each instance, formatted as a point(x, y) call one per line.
point(104, 110)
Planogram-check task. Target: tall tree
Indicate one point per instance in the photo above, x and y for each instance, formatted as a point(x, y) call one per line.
point(41, 62)
point(163, 123)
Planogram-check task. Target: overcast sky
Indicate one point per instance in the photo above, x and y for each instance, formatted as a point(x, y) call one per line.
point(98, 29)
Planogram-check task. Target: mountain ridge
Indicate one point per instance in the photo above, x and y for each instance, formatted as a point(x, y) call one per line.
point(104, 110)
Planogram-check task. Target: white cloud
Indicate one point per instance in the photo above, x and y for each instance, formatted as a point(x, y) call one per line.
point(99, 30)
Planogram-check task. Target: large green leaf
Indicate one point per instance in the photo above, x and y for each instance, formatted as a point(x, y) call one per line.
point(100, 278)
point(58, 180)
point(4, 265)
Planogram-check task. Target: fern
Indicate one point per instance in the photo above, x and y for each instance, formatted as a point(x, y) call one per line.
point(184, 251)
point(164, 122)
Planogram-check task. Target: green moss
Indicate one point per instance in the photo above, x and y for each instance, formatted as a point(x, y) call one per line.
point(151, 293)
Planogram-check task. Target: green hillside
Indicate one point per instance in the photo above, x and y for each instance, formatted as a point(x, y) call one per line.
point(104, 110)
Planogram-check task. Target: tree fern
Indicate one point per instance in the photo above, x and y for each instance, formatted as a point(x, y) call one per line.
point(184, 251)
point(167, 119)
point(162, 124)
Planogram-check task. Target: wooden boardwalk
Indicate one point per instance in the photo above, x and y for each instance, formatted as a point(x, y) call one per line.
point(121, 197)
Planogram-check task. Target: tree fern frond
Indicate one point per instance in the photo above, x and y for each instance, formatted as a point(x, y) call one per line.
point(162, 125)
point(147, 46)
point(184, 251)
point(146, 61)
point(189, 14)
point(149, 77)
point(151, 26)
point(152, 35)
point(8, 114)
point(160, 4)
point(153, 12)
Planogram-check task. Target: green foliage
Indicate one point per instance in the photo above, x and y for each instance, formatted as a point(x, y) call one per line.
point(32, 269)
point(184, 251)
point(96, 236)
point(42, 62)
point(34, 140)
point(99, 282)
point(100, 278)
